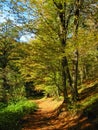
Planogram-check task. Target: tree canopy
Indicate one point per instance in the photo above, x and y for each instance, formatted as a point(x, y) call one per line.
point(61, 55)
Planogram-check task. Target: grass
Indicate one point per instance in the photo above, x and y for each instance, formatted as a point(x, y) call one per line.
point(86, 85)
point(11, 115)
point(88, 97)
point(90, 100)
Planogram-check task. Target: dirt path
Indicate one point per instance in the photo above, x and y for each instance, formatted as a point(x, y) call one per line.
point(44, 118)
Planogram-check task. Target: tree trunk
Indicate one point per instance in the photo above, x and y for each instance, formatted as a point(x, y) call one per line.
point(64, 20)
point(65, 94)
point(78, 4)
point(76, 96)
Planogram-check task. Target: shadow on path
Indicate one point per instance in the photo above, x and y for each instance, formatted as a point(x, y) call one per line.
point(46, 119)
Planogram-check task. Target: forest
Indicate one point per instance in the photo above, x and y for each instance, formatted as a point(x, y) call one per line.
point(48, 65)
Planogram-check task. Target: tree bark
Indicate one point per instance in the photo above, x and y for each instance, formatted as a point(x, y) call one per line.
point(64, 77)
point(76, 96)
point(62, 13)
point(78, 5)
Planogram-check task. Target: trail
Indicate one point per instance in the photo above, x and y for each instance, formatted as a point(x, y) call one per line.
point(44, 118)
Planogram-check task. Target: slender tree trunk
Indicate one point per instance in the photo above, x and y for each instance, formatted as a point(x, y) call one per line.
point(78, 4)
point(62, 34)
point(76, 75)
point(64, 17)
point(85, 72)
point(64, 77)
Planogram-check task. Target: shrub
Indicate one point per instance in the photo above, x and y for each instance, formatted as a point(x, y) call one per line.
point(13, 113)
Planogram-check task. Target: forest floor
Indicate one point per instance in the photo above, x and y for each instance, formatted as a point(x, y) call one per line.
point(45, 117)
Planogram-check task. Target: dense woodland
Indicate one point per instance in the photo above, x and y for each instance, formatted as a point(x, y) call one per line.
point(58, 61)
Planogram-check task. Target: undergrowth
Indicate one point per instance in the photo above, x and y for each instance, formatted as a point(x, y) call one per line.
point(11, 115)
point(89, 102)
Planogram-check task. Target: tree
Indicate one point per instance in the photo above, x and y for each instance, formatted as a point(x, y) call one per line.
point(42, 66)
point(55, 24)
point(9, 75)
point(60, 12)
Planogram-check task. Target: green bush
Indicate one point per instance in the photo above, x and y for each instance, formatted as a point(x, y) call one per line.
point(2, 105)
point(13, 113)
